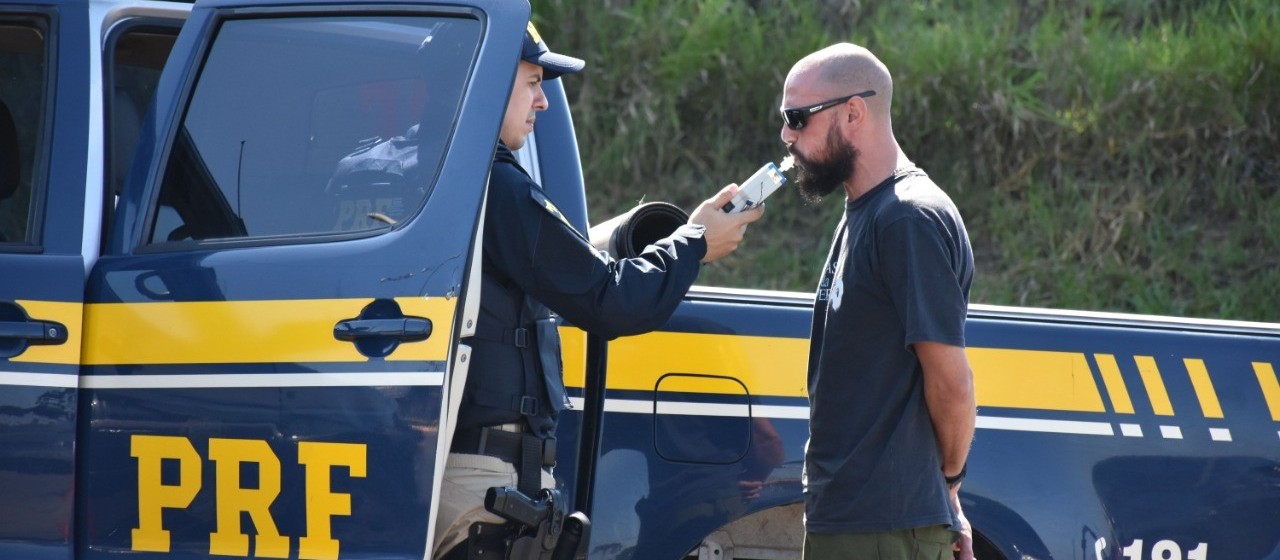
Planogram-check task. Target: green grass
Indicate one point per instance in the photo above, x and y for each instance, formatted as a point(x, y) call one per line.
point(1116, 155)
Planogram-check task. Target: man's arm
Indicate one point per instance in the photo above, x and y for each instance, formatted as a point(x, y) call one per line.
point(948, 391)
point(550, 260)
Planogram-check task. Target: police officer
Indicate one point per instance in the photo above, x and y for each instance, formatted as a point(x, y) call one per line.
point(536, 265)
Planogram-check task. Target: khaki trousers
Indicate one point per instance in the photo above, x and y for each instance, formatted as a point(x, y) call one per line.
point(923, 543)
point(467, 478)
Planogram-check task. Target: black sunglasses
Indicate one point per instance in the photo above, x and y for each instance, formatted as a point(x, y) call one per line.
point(798, 117)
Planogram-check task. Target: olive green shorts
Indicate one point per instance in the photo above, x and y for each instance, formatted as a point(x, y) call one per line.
point(924, 543)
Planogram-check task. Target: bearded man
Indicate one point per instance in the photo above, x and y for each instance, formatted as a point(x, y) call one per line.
point(892, 406)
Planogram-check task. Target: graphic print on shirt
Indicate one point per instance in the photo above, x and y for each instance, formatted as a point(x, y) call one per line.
point(835, 275)
point(826, 287)
point(831, 289)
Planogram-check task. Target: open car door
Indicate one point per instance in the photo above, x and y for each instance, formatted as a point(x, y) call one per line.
point(272, 328)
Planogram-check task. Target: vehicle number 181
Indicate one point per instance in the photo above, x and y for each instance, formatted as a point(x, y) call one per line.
point(1161, 550)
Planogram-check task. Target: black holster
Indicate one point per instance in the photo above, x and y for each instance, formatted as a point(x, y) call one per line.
point(536, 529)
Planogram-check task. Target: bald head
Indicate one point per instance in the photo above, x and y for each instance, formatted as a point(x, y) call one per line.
point(840, 139)
point(843, 69)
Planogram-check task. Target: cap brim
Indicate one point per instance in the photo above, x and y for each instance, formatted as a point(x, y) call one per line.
point(556, 65)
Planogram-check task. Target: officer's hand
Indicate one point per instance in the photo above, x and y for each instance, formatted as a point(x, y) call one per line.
point(724, 230)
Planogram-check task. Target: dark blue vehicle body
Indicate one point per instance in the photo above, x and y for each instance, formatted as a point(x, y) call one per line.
point(198, 397)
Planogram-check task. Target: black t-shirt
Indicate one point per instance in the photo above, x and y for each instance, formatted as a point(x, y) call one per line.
point(899, 272)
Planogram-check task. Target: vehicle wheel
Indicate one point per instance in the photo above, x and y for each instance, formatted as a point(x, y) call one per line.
point(984, 549)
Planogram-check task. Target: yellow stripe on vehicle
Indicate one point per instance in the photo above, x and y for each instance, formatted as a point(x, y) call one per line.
point(1270, 387)
point(1114, 383)
point(1156, 392)
point(573, 354)
point(273, 331)
point(776, 366)
point(700, 384)
point(766, 365)
point(69, 314)
point(1204, 388)
point(1034, 379)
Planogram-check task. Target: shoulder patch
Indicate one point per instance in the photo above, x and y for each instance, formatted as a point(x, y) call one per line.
point(545, 203)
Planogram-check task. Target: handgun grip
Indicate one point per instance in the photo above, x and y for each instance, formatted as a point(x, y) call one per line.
point(513, 505)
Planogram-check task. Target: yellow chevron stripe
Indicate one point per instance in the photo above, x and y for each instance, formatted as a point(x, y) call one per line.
point(1034, 379)
point(1114, 383)
point(1270, 387)
point(1156, 392)
point(70, 315)
point(275, 331)
point(1204, 388)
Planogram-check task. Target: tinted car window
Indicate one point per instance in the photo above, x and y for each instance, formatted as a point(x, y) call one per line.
point(311, 126)
point(23, 104)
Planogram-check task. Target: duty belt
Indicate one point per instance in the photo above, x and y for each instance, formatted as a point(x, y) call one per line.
point(529, 453)
point(518, 337)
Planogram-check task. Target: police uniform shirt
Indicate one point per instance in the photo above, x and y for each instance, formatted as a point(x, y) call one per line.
point(534, 260)
point(899, 273)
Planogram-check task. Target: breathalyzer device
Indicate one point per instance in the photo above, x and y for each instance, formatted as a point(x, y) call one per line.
point(758, 187)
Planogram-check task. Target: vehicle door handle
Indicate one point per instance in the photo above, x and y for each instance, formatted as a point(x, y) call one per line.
point(35, 332)
point(403, 329)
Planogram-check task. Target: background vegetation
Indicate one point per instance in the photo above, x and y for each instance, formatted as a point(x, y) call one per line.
point(1118, 155)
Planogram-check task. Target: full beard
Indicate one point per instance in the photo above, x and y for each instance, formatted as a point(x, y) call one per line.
point(815, 179)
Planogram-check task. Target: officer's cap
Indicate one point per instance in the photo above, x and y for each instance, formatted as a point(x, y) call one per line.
point(553, 65)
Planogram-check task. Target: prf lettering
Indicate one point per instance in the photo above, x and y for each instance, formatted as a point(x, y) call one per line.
point(236, 502)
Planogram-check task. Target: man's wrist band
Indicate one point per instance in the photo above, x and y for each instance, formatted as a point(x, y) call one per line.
point(952, 481)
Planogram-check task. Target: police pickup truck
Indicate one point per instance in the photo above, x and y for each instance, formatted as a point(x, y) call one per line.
point(208, 351)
